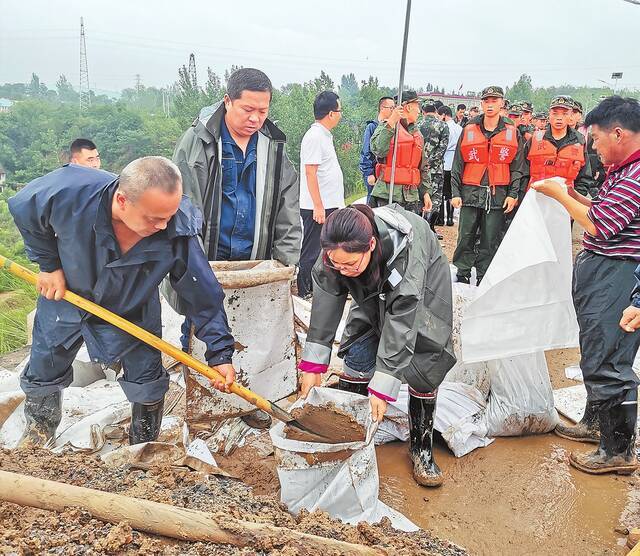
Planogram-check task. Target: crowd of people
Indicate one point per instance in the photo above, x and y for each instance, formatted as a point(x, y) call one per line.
point(231, 193)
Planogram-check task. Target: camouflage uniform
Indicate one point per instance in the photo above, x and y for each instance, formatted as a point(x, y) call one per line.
point(436, 139)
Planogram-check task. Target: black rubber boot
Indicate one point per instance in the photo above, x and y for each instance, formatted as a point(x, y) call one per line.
point(449, 213)
point(587, 429)
point(616, 452)
point(433, 217)
point(145, 422)
point(440, 219)
point(258, 419)
point(352, 384)
point(422, 407)
point(43, 415)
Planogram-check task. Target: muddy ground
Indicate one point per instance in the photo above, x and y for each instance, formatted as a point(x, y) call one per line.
point(27, 531)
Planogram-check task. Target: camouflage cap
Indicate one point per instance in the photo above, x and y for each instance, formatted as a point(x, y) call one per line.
point(578, 105)
point(515, 109)
point(492, 91)
point(526, 106)
point(506, 103)
point(562, 101)
point(541, 115)
point(407, 96)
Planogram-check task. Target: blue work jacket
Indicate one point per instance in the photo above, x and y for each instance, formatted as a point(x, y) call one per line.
point(65, 220)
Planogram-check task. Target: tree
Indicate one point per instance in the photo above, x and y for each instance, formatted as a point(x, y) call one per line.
point(66, 92)
point(521, 90)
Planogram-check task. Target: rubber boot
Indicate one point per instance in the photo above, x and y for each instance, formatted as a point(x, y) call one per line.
point(421, 410)
point(145, 422)
point(258, 419)
point(587, 429)
point(440, 219)
point(353, 384)
point(449, 212)
point(433, 217)
point(43, 415)
point(616, 452)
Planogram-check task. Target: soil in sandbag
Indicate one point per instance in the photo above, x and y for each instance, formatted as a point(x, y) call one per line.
point(326, 424)
point(74, 531)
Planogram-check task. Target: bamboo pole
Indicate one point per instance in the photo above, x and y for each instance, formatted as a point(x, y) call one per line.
point(167, 520)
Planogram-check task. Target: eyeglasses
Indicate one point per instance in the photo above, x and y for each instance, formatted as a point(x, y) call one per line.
point(351, 267)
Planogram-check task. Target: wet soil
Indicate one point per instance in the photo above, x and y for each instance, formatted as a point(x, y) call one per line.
point(326, 424)
point(32, 531)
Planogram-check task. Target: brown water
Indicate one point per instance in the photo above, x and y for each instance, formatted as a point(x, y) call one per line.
point(517, 496)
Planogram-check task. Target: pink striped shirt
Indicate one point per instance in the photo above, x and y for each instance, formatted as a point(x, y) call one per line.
point(616, 213)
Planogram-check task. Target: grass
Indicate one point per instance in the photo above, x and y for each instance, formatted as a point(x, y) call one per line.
point(17, 300)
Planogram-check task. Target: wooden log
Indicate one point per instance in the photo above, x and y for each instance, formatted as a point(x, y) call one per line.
point(167, 520)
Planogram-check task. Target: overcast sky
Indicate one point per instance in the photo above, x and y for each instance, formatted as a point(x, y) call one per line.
point(451, 42)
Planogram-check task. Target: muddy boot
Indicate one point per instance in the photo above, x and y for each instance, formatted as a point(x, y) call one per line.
point(353, 384)
point(43, 415)
point(616, 453)
point(145, 422)
point(421, 411)
point(433, 217)
point(586, 430)
point(257, 419)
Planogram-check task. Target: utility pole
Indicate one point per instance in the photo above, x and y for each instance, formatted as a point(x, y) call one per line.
point(192, 71)
point(403, 60)
point(85, 97)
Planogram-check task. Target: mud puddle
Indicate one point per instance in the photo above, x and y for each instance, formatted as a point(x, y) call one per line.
point(517, 496)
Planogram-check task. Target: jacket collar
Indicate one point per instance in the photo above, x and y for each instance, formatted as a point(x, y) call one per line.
point(209, 123)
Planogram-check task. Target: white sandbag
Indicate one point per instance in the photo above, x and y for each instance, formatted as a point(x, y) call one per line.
point(346, 485)
point(395, 425)
point(521, 398)
point(260, 314)
point(524, 303)
point(460, 419)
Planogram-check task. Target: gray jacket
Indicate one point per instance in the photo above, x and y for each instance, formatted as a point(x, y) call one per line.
point(410, 309)
point(198, 155)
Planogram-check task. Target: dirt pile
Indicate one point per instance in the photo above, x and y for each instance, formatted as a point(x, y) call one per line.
point(74, 531)
point(325, 423)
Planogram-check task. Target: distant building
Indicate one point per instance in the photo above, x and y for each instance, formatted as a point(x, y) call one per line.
point(5, 104)
point(453, 100)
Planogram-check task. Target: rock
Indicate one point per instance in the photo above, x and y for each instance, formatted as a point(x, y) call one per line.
point(634, 537)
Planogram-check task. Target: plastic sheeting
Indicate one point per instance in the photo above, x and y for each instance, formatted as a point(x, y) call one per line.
point(345, 485)
point(523, 305)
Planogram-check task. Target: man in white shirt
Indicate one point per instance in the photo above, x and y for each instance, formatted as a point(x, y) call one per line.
point(321, 182)
point(455, 130)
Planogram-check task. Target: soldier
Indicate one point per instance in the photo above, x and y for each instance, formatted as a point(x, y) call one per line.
point(505, 107)
point(514, 113)
point(576, 115)
point(412, 185)
point(485, 181)
point(559, 150)
point(526, 128)
point(436, 139)
point(540, 120)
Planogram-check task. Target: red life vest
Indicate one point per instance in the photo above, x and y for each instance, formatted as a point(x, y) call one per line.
point(408, 159)
point(546, 161)
point(493, 155)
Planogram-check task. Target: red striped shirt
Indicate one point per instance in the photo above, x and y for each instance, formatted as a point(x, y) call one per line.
point(616, 213)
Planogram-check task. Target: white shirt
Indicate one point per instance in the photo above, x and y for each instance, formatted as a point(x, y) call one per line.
point(455, 131)
point(317, 148)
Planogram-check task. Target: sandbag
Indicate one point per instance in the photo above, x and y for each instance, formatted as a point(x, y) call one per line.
point(340, 479)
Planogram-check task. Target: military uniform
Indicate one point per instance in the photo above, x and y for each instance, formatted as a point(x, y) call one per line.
point(526, 130)
point(436, 138)
point(482, 212)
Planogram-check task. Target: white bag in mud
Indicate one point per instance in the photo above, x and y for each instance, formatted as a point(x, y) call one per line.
point(340, 479)
point(521, 397)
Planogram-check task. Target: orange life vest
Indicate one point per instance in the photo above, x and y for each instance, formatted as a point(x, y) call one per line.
point(408, 159)
point(546, 161)
point(493, 155)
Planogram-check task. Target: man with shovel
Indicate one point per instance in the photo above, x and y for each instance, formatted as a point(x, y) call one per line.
point(112, 240)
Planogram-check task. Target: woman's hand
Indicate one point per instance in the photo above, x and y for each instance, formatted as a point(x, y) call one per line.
point(308, 381)
point(378, 407)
